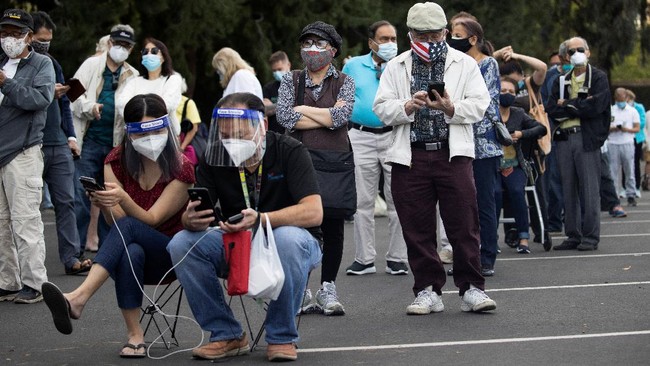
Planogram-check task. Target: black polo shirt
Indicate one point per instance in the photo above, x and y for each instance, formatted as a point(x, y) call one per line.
point(287, 176)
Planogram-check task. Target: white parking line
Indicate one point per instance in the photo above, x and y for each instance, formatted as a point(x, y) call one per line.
point(473, 342)
point(560, 287)
point(527, 258)
point(625, 222)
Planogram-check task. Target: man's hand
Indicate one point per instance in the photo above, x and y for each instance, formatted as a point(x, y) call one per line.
point(516, 136)
point(417, 102)
point(3, 77)
point(195, 221)
point(249, 220)
point(74, 148)
point(60, 90)
point(442, 103)
point(97, 111)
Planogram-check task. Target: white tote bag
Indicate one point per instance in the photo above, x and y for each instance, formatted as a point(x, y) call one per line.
point(266, 276)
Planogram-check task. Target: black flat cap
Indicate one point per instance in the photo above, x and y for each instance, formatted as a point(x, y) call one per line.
point(324, 31)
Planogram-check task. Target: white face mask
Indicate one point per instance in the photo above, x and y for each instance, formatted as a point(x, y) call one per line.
point(578, 59)
point(239, 150)
point(150, 146)
point(13, 47)
point(119, 54)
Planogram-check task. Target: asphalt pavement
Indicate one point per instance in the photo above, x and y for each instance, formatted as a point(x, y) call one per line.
point(553, 308)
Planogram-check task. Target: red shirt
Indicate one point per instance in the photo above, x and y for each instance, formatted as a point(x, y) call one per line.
point(146, 199)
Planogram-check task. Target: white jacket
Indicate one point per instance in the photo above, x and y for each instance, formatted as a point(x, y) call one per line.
point(90, 75)
point(466, 88)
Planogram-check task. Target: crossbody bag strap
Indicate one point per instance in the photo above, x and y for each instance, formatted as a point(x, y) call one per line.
point(300, 93)
point(184, 109)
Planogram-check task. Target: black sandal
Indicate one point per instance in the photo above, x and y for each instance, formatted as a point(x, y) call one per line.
point(134, 347)
point(59, 306)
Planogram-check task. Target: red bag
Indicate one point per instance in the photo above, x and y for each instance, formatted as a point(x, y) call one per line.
point(237, 247)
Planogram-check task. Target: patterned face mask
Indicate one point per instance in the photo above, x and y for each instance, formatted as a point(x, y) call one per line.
point(428, 51)
point(315, 58)
point(13, 47)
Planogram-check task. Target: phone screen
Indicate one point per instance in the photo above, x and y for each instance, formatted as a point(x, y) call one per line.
point(437, 86)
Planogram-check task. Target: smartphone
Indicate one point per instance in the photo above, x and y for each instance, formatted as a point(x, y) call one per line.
point(236, 218)
point(620, 127)
point(90, 184)
point(202, 194)
point(438, 86)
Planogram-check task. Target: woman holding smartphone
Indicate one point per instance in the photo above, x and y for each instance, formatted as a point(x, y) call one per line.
point(145, 193)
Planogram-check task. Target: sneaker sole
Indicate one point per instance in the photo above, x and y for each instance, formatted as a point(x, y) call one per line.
point(484, 306)
point(420, 311)
point(39, 298)
point(398, 272)
point(311, 309)
point(8, 297)
point(369, 270)
point(335, 311)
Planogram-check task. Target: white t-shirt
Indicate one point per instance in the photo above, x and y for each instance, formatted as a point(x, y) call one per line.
point(244, 81)
point(10, 69)
point(626, 117)
point(168, 87)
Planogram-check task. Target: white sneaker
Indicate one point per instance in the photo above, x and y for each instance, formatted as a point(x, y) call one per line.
point(476, 300)
point(307, 306)
point(326, 298)
point(446, 256)
point(426, 302)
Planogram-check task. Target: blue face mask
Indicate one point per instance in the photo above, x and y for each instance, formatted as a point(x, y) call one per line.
point(151, 62)
point(277, 75)
point(566, 68)
point(521, 84)
point(621, 105)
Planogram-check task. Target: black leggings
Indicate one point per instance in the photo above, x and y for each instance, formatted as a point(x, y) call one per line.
point(332, 248)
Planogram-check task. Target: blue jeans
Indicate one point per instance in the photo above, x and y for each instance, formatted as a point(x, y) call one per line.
point(200, 271)
point(91, 164)
point(515, 184)
point(485, 179)
point(147, 252)
point(59, 175)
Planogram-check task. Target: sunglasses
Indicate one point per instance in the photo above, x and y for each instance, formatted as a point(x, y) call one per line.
point(154, 51)
point(571, 51)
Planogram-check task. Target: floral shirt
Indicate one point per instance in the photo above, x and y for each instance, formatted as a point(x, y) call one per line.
point(428, 124)
point(288, 117)
point(485, 138)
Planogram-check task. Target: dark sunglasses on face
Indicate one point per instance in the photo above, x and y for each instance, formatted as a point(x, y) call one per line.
point(571, 51)
point(154, 51)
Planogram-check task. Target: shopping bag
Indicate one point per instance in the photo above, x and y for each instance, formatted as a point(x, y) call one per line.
point(237, 247)
point(266, 276)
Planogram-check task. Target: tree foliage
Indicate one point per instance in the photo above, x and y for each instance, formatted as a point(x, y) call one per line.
point(194, 30)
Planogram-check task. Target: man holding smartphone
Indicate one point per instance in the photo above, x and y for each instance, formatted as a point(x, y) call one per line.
point(431, 156)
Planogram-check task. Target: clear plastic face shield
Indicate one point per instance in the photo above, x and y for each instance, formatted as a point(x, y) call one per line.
point(150, 138)
point(237, 138)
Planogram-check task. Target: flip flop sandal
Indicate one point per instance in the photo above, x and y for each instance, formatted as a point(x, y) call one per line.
point(82, 268)
point(134, 348)
point(59, 306)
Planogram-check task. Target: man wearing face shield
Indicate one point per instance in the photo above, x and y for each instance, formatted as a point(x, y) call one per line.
point(580, 104)
point(26, 90)
point(249, 171)
point(370, 140)
point(97, 125)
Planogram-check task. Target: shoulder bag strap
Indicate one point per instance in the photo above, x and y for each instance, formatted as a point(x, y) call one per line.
point(184, 109)
point(300, 93)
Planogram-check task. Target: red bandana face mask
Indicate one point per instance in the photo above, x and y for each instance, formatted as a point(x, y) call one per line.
point(316, 59)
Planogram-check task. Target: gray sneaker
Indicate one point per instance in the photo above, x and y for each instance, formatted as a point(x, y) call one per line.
point(28, 296)
point(308, 306)
point(6, 295)
point(476, 300)
point(326, 298)
point(426, 302)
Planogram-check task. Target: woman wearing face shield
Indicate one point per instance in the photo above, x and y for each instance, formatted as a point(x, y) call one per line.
point(319, 119)
point(157, 76)
point(145, 194)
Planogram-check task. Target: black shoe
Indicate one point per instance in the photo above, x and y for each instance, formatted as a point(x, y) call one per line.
point(537, 239)
point(28, 296)
point(512, 238)
point(566, 245)
point(396, 268)
point(583, 247)
point(6, 295)
point(631, 202)
point(548, 242)
point(360, 269)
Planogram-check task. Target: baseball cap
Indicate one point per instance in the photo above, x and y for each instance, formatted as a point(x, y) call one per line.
point(427, 16)
point(324, 31)
point(123, 35)
point(17, 17)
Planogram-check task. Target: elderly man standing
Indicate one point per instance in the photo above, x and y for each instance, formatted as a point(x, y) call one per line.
point(26, 91)
point(580, 104)
point(370, 140)
point(431, 152)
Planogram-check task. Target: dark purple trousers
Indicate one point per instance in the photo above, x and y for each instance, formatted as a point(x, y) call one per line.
point(432, 178)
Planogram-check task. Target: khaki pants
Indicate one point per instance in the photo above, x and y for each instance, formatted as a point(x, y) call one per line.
point(22, 244)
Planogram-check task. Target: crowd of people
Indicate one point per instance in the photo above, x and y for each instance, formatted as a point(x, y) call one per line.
point(423, 129)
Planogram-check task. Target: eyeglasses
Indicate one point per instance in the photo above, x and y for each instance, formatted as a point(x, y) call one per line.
point(571, 51)
point(320, 43)
point(15, 34)
point(126, 45)
point(436, 36)
point(153, 51)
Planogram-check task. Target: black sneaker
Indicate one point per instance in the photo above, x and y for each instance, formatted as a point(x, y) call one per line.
point(396, 268)
point(631, 202)
point(587, 247)
point(28, 296)
point(6, 295)
point(512, 238)
point(360, 269)
point(566, 245)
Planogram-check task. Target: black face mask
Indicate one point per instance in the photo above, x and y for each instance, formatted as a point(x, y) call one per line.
point(461, 45)
point(40, 47)
point(506, 99)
